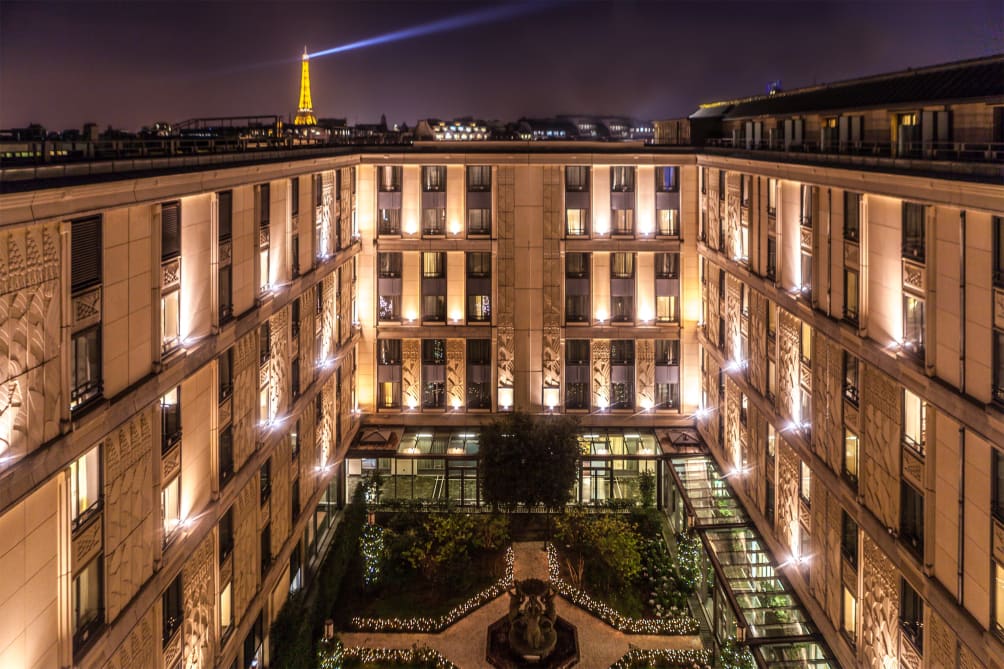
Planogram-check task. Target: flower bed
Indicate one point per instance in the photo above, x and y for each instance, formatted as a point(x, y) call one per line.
point(639, 658)
point(437, 624)
point(331, 654)
point(680, 624)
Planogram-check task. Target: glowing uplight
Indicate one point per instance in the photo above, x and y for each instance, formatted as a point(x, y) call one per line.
point(456, 404)
point(647, 404)
point(505, 397)
point(455, 228)
point(412, 403)
point(551, 397)
point(601, 315)
point(410, 316)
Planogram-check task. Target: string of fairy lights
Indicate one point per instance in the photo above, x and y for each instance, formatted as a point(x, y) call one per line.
point(423, 624)
point(419, 655)
point(371, 548)
point(616, 619)
point(663, 657)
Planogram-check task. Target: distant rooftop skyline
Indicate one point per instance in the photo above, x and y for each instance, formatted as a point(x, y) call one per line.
point(64, 64)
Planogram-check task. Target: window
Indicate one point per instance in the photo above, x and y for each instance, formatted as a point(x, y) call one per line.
point(851, 296)
point(621, 287)
point(295, 570)
point(622, 221)
point(294, 196)
point(479, 222)
point(849, 539)
point(806, 344)
point(434, 287)
point(85, 365)
point(667, 179)
point(911, 519)
point(997, 485)
point(479, 178)
point(170, 418)
point(746, 190)
point(913, 326)
point(389, 373)
point(170, 507)
point(771, 379)
point(911, 615)
point(621, 179)
point(667, 287)
point(226, 610)
point(721, 185)
point(851, 376)
point(389, 286)
point(479, 287)
point(998, 622)
point(434, 221)
point(434, 179)
point(852, 216)
point(772, 197)
point(172, 612)
point(852, 447)
point(806, 286)
point(771, 269)
point(997, 222)
point(768, 504)
point(85, 485)
point(913, 231)
point(849, 616)
point(226, 532)
point(85, 253)
point(804, 483)
point(577, 377)
point(704, 180)
point(266, 549)
point(433, 374)
point(389, 178)
point(577, 287)
point(998, 367)
point(668, 222)
point(170, 230)
point(577, 222)
point(265, 481)
point(914, 421)
point(88, 602)
point(622, 374)
point(389, 222)
point(254, 645)
point(577, 178)
point(226, 454)
point(771, 321)
point(667, 373)
point(805, 206)
point(479, 374)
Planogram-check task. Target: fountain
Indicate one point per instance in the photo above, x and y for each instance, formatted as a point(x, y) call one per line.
point(532, 634)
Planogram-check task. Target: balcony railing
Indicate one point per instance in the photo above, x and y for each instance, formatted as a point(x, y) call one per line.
point(946, 151)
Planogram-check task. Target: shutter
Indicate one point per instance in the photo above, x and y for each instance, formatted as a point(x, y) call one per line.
point(479, 286)
point(434, 200)
point(389, 200)
point(667, 287)
point(576, 374)
point(389, 373)
point(389, 286)
point(170, 230)
point(577, 200)
point(85, 252)
point(577, 286)
point(622, 373)
point(667, 374)
point(622, 201)
point(621, 287)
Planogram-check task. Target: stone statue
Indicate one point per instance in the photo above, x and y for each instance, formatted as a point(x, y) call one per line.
point(531, 618)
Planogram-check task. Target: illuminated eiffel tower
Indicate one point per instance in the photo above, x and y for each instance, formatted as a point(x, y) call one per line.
point(305, 109)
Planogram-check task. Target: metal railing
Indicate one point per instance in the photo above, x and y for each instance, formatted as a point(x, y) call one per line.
point(932, 150)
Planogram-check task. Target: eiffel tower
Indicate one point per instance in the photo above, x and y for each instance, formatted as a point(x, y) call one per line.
point(305, 109)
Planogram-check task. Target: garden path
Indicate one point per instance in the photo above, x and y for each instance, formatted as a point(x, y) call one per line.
point(464, 642)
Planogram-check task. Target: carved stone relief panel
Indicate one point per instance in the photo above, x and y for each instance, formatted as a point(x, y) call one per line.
point(789, 329)
point(755, 446)
point(323, 213)
point(553, 232)
point(827, 398)
point(713, 214)
point(136, 652)
point(831, 529)
point(711, 297)
point(345, 211)
point(880, 449)
point(968, 660)
point(345, 399)
point(306, 345)
point(757, 363)
point(86, 544)
point(411, 372)
point(940, 642)
point(731, 447)
point(128, 511)
point(787, 501)
point(245, 398)
point(345, 301)
point(552, 356)
point(506, 355)
point(708, 424)
point(455, 372)
point(245, 543)
point(879, 609)
point(330, 400)
point(199, 598)
point(908, 656)
point(308, 451)
point(645, 371)
point(732, 239)
point(30, 388)
point(999, 308)
point(914, 276)
point(851, 255)
point(913, 467)
point(279, 499)
point(733, 318)
point(330, 315)
point(600, 351)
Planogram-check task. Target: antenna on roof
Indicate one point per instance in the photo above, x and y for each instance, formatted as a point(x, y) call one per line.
point(774, 87)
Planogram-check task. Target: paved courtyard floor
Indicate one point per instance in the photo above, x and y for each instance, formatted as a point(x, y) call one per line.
point(464, 642)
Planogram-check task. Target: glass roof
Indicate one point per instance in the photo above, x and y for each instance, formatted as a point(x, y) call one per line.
point(801, 654)
point(613, 441)
point(705, 489)
point(439, 441)
point(767, 604)
point(464, 441)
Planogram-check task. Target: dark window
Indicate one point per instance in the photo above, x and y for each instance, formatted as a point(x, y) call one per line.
point(254, 645)
point(295, 318)
point(913, 231)
point(851, 296)
point(997, 222)
point(318, 299)
point(226, 372)
point(479, 374)
point(479, 221)
point(226, 530)
point(622, 287)
point(226, 455)
point(85, 366)
point(913, 326)
point(479, 287)
point(172, 611)
point(622, 374)
point(294, 196)
point(771, 258)
point(266, 549)
point(264, 204)
point(852, 216)
point(577, 287)
point(667, 373)
point(264, 343)
point(294, 500)
point(170, 418)
point(389, 284)
point(911, 519)
point(851, 375)
point(479, 178)
point(997, 485)
point(667, 179)
point(389, 222)
point(768, 504)
point(577, 179)
point(318, 184)
point(294, 377)
point(577, 381)
point(721, 185)
point(745, 190)
point(911, 615)
point(433, 373)
point(849, 539)
point(88, 602)
point(225, 284)
point(85, 253)
point(434, 179)
point(265, 481)
point(170, 230)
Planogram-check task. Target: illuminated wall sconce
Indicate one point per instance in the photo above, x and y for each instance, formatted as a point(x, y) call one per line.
point(410, 316)
point(601, 315)
point(602, 403)
point(457, 404)
point(551, 397)
point(647, 404)
point(455, 228)
point(505, 397)
point(456, 317)
point(412, 403)
point(601, 226)
point(645, 314)
point(411, 227)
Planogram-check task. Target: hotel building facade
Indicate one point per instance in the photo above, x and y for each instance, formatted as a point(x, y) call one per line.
point(817, 293)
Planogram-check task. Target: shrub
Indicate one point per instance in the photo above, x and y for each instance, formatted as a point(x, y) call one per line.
point(607, 545)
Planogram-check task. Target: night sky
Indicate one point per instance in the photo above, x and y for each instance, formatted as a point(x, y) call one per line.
point(130, 64)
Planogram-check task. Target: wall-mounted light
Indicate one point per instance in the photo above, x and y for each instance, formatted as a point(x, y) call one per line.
point(505, 397)
point(455, 228)
point(647, 404)
point(411, 226)
point(456, 317)
point(412, 403)
point(457, 404)
point(601, 315)
point(551, 397)
point(410, 316)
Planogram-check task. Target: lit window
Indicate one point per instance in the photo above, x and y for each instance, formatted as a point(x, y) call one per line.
point(914, 421)
point(806, 344)
point(88, 602)
point(85, 366)
point(172, 609)
point(170, 507)
point(170, 320)
point(170, 418)
point(849, 616)
point(226, 610)
point(913, 326)
point(85, 485)
point(998, 598)
point(805, 483)
point(851, 450)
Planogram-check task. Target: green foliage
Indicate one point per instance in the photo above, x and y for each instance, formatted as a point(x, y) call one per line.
point(436, 545)
point(608, 543)
point(688, 562)
point(373, 551)
point(646, 486)
point(735, 656)
point(528, 460)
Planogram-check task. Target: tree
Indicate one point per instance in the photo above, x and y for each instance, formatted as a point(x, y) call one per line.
point(527, 460)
